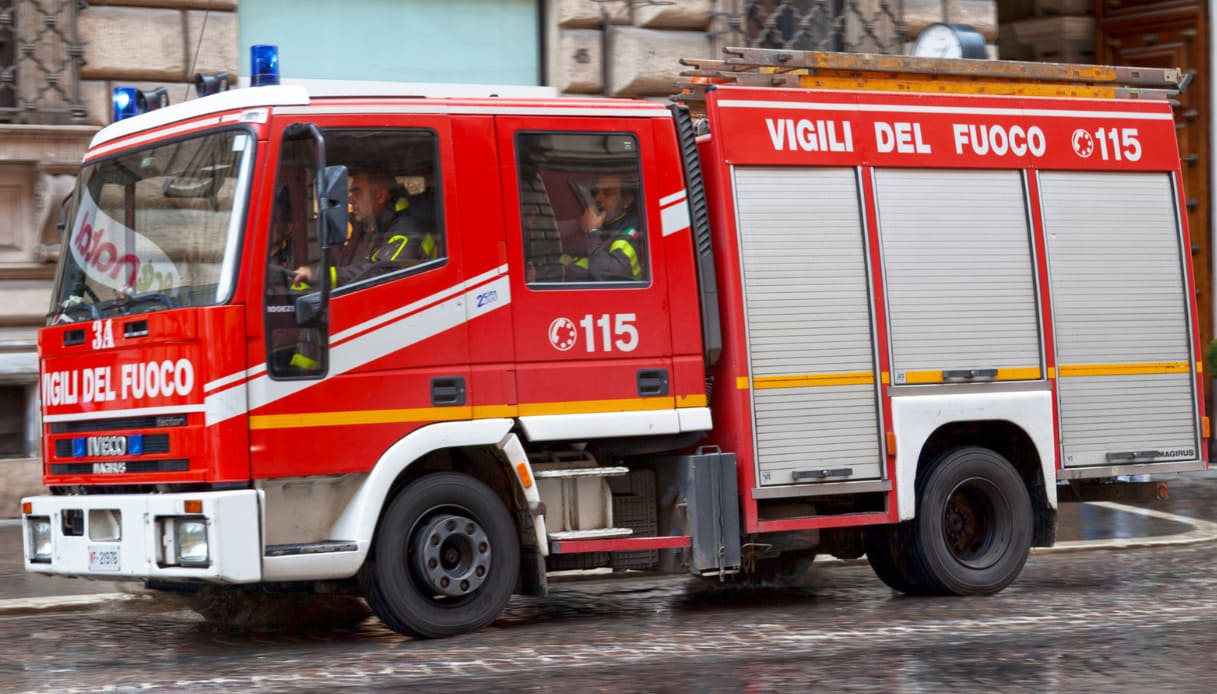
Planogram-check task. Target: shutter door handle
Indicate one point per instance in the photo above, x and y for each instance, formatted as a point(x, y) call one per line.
point(652, 382)
point(447, 391)
point(968, 375)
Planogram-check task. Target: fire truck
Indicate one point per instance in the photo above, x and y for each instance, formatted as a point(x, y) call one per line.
point(824, 304)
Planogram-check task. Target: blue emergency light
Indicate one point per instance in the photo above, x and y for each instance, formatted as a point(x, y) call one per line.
point(263, 65)
point(125, 103)
point(131, 101)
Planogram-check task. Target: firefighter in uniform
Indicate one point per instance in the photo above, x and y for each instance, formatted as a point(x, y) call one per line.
point(394, 234)
point(614, 240)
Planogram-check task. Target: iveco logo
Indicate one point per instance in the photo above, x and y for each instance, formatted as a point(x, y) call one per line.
point(107, 445)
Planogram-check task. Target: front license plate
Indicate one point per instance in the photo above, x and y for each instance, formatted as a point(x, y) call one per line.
point(103, 558)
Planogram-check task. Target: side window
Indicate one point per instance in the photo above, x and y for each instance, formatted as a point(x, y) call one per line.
point(396, 225)
point(582, 218)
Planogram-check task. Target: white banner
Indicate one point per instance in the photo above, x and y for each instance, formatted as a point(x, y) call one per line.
point(118, 257)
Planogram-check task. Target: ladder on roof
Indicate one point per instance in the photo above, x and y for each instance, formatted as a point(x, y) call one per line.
point(764, 67)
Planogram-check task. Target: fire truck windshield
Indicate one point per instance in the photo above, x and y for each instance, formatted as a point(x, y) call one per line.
point(155, 229)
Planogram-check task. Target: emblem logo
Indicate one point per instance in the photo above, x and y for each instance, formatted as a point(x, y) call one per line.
point(562, 334)
point(1083, 143)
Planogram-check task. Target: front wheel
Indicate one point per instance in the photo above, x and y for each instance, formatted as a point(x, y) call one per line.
point(445, 558)
point(972, 533)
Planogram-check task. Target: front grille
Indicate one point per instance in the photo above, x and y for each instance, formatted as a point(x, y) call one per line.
point(153, 443)
point(148, 422)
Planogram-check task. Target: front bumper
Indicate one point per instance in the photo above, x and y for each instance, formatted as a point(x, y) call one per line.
point(125, 535)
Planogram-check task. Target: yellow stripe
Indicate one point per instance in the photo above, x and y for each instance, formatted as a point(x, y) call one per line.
point(445, 414)
point(590, 406)
point(813, 380)
point(810, 380)
point(1022, 373)
point(1146, 368)
point(331, 419)
point(495, 411)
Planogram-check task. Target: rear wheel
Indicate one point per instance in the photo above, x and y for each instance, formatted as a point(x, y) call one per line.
point(445, 558)
point(973, 527)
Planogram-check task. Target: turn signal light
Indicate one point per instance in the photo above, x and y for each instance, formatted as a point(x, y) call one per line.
point(193, 506)
point(522, 471)
point(1204, 421)
point(27, 508)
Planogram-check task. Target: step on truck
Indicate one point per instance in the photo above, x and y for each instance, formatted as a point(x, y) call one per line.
point(428, 351)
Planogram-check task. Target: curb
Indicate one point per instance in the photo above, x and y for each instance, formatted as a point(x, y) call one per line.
point(1201, 531)
point(63, 603)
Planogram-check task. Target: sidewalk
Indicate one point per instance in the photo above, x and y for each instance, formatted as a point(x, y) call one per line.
point(1188, 516)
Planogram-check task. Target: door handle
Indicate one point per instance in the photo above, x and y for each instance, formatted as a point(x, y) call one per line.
point(448, 391)
point(652, 382)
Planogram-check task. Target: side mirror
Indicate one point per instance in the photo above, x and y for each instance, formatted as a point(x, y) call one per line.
point(334, 213)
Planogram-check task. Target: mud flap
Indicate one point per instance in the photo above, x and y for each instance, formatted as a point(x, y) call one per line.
point(713, 503)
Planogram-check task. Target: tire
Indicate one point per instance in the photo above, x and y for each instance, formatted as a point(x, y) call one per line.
point(445, 558)
point(973, 529)
point(889, 564)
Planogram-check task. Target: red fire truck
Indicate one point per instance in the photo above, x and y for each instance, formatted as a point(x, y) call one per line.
point(859, 305)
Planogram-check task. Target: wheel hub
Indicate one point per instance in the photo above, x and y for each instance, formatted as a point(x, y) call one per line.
point(968, 524)
point(452, 555)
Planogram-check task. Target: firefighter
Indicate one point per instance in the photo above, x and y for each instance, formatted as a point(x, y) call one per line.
point(394, 233)
point(614, 241)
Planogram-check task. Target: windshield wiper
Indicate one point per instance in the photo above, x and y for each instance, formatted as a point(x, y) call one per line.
point(130, 301)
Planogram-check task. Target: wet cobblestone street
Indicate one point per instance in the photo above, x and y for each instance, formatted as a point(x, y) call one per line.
point(1101, 620)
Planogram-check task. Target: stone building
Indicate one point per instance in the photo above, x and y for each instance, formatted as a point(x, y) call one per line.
point(59, 60)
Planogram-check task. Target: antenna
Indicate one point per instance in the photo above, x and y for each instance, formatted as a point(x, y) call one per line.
point(197, 47)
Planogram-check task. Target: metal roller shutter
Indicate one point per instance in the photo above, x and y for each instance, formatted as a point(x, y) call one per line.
point(809, 324)
point(1120, 315)
point(957, 264)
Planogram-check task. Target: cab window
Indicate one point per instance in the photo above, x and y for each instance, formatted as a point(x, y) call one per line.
point(580, 196)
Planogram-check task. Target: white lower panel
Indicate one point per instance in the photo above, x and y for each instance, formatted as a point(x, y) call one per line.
point(232, 532)
point(916, 417)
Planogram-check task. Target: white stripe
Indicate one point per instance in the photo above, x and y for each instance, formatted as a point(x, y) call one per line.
point(441, 109)
point(669, 199)
point(154, 135)
point(109, 414)
point(674, 218)
point(947, 110)
point(361, 350)
point(410, 308)
point(233, 377)
point(281, 95)
point(259, 369)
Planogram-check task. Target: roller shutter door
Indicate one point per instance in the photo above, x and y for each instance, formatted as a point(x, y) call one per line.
point(809, 325)
point(1120, 313)
point(958, 269)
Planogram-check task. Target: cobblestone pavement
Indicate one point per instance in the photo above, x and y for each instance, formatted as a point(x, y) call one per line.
point(1121, 621)
point(1115, 620)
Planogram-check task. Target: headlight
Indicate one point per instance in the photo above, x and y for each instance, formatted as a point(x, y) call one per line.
point(40, 538)
point(190, 538)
